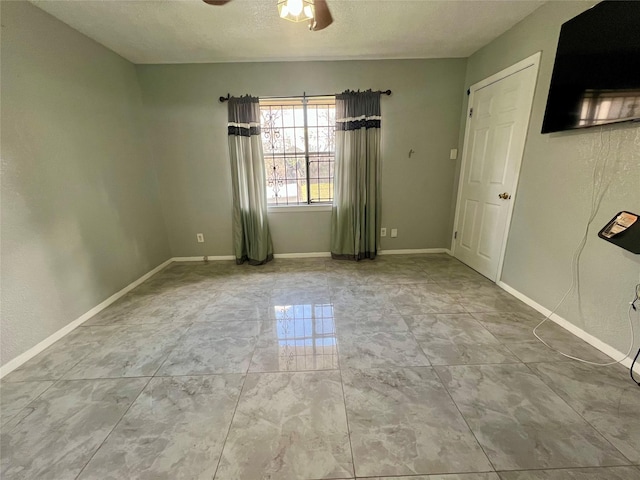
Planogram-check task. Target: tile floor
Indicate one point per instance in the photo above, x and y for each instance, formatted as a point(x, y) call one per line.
point(407, 367)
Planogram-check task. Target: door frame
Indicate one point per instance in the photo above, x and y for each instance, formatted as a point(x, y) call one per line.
point(532, 61)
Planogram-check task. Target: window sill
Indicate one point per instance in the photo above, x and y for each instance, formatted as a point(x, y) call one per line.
point(324, 207)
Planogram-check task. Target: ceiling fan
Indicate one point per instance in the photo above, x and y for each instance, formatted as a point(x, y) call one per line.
point(318, 14)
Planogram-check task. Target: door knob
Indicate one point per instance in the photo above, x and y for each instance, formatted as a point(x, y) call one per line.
point(504, 196)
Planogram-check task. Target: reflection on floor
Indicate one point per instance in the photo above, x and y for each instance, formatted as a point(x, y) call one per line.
point(306, 337)
point(411, 367)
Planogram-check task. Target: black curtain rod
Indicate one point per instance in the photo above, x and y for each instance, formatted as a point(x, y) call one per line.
point(382, 92)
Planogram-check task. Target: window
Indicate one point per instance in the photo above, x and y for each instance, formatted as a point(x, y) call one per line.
point(298, 139)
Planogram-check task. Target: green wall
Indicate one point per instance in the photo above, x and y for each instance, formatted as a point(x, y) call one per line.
point(554, 193)
point(80, 214)
point(186, 125)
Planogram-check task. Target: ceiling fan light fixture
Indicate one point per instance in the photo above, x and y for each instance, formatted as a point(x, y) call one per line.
point(296, 10)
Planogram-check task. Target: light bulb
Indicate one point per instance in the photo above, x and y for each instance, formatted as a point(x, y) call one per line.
point(307, 12)
point(285, 11)
point(295, 7)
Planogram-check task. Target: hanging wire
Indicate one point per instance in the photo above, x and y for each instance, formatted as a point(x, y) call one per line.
point(597, 194)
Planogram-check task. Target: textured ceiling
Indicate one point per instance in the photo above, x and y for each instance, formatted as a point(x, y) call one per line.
point(189, 31)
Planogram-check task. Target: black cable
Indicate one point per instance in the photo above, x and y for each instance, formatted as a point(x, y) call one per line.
point(631, 369)
point(633, 305)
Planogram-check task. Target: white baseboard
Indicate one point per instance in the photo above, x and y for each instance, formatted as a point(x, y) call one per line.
point(567, 325)
point(408, 251)
point(275, 255)
point(11, 365)
point(381, 252)
point(303, 255)
point(315, 254)
point(213, 258)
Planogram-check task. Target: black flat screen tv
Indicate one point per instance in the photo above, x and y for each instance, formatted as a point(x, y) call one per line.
point(596, 74)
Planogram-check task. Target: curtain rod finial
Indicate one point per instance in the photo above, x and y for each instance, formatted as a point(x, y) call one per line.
point(225, 99)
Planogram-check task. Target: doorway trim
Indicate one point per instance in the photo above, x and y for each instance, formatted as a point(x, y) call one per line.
point(532, 61)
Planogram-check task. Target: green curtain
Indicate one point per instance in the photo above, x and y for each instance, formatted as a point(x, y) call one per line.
point(251, 236)
point(355, 218)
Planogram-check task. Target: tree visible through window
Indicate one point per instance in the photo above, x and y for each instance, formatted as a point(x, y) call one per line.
point(298, 139)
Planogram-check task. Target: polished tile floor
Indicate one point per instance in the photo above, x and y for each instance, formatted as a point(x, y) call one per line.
point(406, 367)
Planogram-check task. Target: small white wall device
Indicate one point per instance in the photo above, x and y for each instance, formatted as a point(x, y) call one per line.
point(623, 230)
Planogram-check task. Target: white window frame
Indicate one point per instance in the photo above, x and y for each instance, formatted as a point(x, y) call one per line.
point(305, 102)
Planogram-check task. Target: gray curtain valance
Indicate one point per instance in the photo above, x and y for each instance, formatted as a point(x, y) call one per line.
point(356, 110)
point(244, 116)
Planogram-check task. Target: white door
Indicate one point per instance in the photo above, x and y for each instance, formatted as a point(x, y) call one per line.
point(499, 110)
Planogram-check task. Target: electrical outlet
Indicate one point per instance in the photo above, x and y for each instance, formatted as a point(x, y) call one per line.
point(200, 237)
point(383, 232)
point(394, 232)
point(453, 154)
